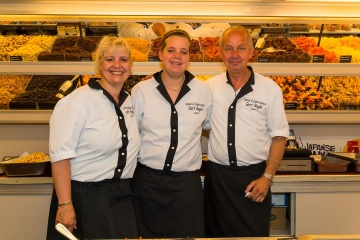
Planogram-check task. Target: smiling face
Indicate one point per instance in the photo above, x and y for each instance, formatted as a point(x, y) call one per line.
point(113, 62)
point(235, 50)
point(116, 67)
point(175, 55)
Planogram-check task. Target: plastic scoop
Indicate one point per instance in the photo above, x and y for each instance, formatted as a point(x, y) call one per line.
point(67, 86)
point(64, 231)
point(260, 43)
point(271, 49)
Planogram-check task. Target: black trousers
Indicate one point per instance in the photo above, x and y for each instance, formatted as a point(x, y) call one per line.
point(227, 212)
point(168, 204)
point(104, 210)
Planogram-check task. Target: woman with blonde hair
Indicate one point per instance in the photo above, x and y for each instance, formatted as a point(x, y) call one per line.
point(94, 142)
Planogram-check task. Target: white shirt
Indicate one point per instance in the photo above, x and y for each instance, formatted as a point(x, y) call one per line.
point(260, 116)
point(84, 128)
point(157, 131)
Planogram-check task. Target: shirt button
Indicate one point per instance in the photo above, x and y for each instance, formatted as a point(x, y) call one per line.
point(231, 106)
point(230, 144)
point(119, 170)
point(230, 125)
point(167, 164)
point(124, 135)
point(120, 117)
point(123, 154)
point(174, 112)
point(172, 147)
point(232, 161)
point(174, 130)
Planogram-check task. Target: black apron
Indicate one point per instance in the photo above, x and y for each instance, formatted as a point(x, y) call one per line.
point(104, 210)
point(168, 204)
point(227, 212)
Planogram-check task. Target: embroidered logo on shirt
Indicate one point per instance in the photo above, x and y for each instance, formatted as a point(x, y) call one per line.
point(254, 104)
point(129, 111)
point(195, 107)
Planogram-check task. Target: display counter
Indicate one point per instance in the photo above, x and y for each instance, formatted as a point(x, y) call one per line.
point(283, 183)
point(329, 200)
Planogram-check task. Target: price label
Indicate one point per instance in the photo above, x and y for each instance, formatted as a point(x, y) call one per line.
point(290, 106)
point(318, 58)
point(85, 59)
point(345, 58)
point(153, 59)
point(264, 59)
point(16, 58)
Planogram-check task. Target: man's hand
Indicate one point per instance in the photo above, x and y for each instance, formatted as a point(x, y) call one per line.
point(259, 189)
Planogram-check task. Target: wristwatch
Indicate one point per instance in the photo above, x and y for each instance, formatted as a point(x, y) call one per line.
point(268, 176)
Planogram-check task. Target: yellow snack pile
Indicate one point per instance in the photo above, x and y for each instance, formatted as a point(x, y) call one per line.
point(139, 49)
point(32, 158)
point(349, 45)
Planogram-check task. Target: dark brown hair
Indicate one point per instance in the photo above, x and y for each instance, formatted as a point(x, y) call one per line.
point(174, 32)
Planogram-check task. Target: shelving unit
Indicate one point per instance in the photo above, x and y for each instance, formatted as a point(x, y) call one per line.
point(144, 68)
point(28, 129)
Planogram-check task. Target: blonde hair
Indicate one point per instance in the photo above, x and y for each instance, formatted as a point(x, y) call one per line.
point(109, 43)
point(239, 29)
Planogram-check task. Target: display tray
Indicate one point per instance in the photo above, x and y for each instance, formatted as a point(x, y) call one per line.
point(267, 29)
point(24, 169)
point(331, 164)
point(33, 28)
point(354, 159)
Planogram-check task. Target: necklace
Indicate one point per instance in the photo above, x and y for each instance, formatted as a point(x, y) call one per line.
point(177, 89)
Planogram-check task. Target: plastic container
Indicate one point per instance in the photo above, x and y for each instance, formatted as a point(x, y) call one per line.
point(332, 165)
point(352, 157)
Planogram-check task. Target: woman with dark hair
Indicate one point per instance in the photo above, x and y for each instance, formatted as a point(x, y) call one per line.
point(171, 108)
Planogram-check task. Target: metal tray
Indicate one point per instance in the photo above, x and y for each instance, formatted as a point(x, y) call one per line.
point(24, 169)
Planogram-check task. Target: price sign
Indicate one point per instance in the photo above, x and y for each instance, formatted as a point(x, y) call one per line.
point(345, 58)
point(290, 106)
point(85, 59)
point(318, 59)
point(264, 59)
point(16, 58)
